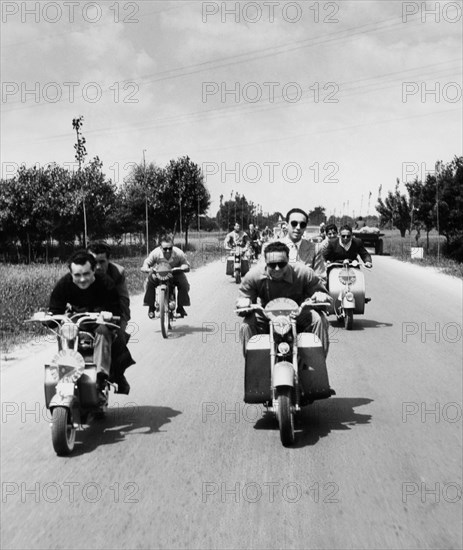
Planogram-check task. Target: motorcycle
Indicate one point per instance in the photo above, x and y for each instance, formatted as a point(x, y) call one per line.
point(237, 263)
point(71, 390)
point(346, 285)
point(166, 300)
point(285, 370)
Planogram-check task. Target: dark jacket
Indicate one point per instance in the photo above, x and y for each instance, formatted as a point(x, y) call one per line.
point(101, 295)
point(334, 252)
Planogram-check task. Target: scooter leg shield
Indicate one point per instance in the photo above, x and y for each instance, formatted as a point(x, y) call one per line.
point(257, 375)
point(313, 373)
point(87, 387)
point(230, 266)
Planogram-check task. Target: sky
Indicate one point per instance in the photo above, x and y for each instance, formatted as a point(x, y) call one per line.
point(293, 104)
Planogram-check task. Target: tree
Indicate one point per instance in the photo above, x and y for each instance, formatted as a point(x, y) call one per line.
point(317, 215)
point(81, 152)
point(422, 204)
point(183, 195)
point(395, 209)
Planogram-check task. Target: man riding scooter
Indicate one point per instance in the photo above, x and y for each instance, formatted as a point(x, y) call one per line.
point(346, 247)
point(167, 252)
point(278, 278)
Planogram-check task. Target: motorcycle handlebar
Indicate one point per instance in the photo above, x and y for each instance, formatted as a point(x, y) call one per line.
point(85, 317)
point(304, 305)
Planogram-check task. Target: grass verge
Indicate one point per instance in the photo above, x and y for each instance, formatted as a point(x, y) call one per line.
point(26, 289)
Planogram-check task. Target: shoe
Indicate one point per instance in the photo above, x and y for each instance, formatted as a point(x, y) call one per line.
point(151, 313)
point(122, 385)
point(181, 312)
point(101, 381)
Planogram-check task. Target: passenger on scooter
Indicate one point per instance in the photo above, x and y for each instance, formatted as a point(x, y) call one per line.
point(346, 247)
point(301, 249)
point(255, 240)
point(102, 252)
point(331, 236)
point(235, 237)
point(278, 278)
point(176, 258)
point(87, 291)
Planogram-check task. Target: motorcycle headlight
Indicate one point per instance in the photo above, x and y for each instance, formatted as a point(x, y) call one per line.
point(69, 331)
point(283, 348)
point(349, 296)
point(281, 325)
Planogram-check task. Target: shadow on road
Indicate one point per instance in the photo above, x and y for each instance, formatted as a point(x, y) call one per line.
point(320, 418)
point(362, 324)
point(120, 422)
point(181, 330)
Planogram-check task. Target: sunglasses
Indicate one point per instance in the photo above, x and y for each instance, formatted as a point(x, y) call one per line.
point(302, 225)
point(166, 248)
point(273, 265)
point(346, 236)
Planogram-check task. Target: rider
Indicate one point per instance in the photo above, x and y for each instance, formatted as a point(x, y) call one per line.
point(255, 240)
point(267, 233)
point(101, 252)
point(331, 231)
point(301, 249)
point(360, 223)
point(177, 260)
point(278, 278)
point(235, 237)
point(346, 247)
point(87, 291)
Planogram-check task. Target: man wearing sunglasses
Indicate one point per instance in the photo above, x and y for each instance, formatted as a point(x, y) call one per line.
point(278, 278)
point(346, 247)
point(300, 249)
point(167, 252)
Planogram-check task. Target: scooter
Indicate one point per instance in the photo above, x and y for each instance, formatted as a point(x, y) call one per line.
point(71, 390)
point(237, 264)
point(285, 370)
point(166, 300)
point(346, 285)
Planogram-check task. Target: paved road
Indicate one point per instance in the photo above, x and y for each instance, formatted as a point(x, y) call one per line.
point(183, 463)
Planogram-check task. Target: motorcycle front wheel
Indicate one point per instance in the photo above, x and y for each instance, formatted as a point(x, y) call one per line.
point(237, 276)
point(63, 433)
point(164, 312)
point(348, 319)
point(285, 417)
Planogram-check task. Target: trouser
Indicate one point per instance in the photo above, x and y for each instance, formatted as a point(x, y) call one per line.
point(308, 321)
point(256, 247)
point(121, 358)
point(111, 355)
point(180, 281)
point(102, 349)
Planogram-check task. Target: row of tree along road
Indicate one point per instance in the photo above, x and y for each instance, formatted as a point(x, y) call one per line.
point(43, 208)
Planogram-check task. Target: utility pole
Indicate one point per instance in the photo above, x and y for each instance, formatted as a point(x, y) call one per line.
point(146, 204)
point(437, 170)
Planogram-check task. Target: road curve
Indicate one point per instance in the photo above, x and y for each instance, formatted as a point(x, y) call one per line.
point(183, 463)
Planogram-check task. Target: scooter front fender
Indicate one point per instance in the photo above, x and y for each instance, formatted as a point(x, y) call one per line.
point(348, 304)
point(62, 401)
point(283, 374)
